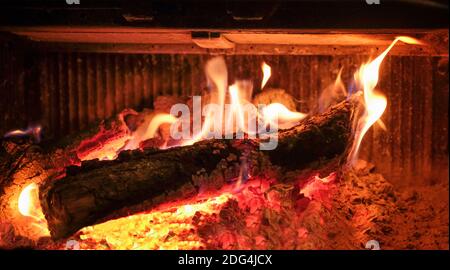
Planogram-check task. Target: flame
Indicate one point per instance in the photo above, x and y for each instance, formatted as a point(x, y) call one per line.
point(216, 71)
point(240, 109)
point(375, 103)
point(145, 132)
point(278, 113)
point(236, 108)
point(29, 206)
point(33, 131)
point(156, 122)
point(217, 74)
point(239, 95)
point(332, 94)
point(267, 72)
point(25, 202)
point(107, 146)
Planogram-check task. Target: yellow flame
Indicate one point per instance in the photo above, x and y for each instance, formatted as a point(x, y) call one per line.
point(267, 72)
point(375, 103)
point(25, 202)
point(150, 130)
point(29, 206)
point(156, 122)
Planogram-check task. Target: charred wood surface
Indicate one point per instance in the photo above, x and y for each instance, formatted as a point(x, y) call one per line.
point(93, 192)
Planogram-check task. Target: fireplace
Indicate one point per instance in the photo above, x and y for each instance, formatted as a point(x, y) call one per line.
point(89, 160)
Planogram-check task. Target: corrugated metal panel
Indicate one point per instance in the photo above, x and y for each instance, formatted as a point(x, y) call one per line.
point(19, 91)
point(77, 89)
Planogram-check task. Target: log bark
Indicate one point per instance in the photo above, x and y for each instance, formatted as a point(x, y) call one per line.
point(101, 190)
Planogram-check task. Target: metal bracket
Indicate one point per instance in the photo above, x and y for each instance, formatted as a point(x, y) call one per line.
point(211, 40)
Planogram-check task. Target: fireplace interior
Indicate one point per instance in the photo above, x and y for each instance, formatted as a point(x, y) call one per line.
point(75, 83)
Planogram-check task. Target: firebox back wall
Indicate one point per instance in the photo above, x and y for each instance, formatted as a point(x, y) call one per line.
point(68, 92)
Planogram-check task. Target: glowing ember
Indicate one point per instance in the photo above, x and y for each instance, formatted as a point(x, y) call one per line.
point(170, 228)
point(106, 144)
point(107, 151)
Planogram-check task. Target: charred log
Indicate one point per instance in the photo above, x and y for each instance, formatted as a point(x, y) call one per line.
point(98, 190)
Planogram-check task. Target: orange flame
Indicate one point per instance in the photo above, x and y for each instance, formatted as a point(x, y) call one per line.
point(375, 103)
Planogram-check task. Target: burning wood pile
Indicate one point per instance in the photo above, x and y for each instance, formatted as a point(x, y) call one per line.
point(223, 177)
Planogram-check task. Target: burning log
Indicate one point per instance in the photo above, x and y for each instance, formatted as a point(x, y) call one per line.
point(101, 190)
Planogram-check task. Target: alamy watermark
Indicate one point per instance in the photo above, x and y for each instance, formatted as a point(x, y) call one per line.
point(72, 245)
point(373, 245)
